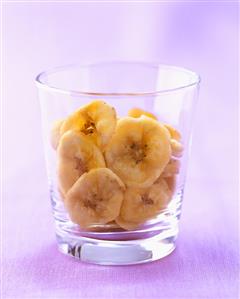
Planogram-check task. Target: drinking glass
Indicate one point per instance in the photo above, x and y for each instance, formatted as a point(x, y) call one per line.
point(161, 95)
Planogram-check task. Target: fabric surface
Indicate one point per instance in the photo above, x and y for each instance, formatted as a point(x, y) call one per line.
point(200, 36)
point(204, 264)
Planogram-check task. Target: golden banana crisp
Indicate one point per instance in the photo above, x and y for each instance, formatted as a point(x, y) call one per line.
point(96, 120)
point(173, 132)
point(171, 182)
point(95, 198)
point(142, 204)
point(55, 133)
point(137, 112)
point(177, 148)
point(76, 155)
point(172, 168)
point(115, 170)
point(139, 150)
point(176, 145)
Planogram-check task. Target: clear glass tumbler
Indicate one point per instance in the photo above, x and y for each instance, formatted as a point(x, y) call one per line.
point(117, 138)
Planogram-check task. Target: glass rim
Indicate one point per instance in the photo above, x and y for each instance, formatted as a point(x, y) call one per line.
point(41, 84)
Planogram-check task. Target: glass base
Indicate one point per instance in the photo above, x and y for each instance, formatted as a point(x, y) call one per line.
point(114, 252)
point(109, 244)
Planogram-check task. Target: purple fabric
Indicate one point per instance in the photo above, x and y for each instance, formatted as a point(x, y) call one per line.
point(200, 36)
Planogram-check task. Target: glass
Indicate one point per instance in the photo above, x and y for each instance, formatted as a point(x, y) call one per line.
point(133, 216)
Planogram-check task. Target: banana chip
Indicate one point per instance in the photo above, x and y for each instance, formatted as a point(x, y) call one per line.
point(95, 198)
point(76, 155)
point(96, 120)
point(137, 112)
point(55, 133)
point(139, 151)
point(140, 205)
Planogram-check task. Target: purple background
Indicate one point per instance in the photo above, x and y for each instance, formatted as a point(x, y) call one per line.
point(199, 36)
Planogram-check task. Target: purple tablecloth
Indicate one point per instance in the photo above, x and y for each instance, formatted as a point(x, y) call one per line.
point(199, 36)
point(204, 264)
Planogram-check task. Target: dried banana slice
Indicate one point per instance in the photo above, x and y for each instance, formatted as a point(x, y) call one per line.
point(55, 134)
point(76, 155)
point(173, 167)
point(95, 198)
point(176, 146)
point(137, 112)
point(175, 134)
point(96, 120)
point(139, 151)
point(140, 205)
point(172, 183)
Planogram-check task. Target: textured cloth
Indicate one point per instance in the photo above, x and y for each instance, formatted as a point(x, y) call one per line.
point(204, 264)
